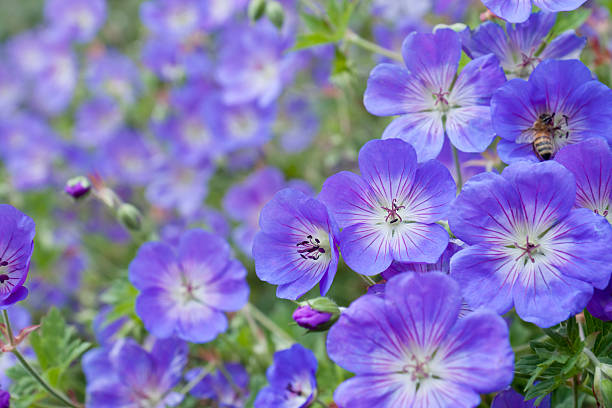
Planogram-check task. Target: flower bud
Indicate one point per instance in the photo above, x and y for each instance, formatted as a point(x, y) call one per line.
point(78, 187)
point(275, 13)
point(317, 314)
point(257, 8)
point(129, 216)
point(5, 399)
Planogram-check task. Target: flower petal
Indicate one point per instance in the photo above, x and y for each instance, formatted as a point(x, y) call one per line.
point(423, 130)
point(391, 91)
point(152, 266)
point(513, 11)
point(431, 193)
point(197, 323)
point(417, 242)
point(365, 248)
point(512, 109)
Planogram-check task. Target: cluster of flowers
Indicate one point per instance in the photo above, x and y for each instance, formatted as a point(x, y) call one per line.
point(444, 265)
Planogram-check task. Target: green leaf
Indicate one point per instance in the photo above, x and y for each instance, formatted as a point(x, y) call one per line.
point(311, 40)
point(569, 20)
point(316, 24)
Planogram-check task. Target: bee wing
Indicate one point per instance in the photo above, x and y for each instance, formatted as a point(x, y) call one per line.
point(526, 136)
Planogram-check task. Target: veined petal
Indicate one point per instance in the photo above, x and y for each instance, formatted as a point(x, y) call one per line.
point(545, 80)
point(565, 46)
point(513, 11)
point(545, 297)
point(153, 266)
point(229, 291)
point(349, 199)
point(365, 248)
point(392, 91)
point(527, 36)
point(157, 310)
point(477, 81)
point(372, 390)
point(431, 193)
point(512, 109)
point(486, 277)
point(487, 210)
point(376, 350)
point(477, 353)
point(591, 163)
point(558, 5)
point(546, 191)
point(417, 242)
point(469, 128)
point(433, 58)
point(198, 323)
point(422, 308)
point(510, 152)
point(388, 166)
point(580, 247)
point(203, 255)
point(489, 38)
point(423, 130)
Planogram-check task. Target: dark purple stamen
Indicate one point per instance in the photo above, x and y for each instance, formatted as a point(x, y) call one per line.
point(441, 97)
point(605, 212)
point(527, 250)
point(310, 248)
point(293, 391)
point(3, 278)
point(4, 263)
point(393, 212)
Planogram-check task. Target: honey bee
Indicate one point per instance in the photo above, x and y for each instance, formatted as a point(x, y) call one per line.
point(541, 135)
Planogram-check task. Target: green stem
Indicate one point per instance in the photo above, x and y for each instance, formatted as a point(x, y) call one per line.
point(575, 391)
point(9, 330)
point(269, 324)
point(354, 38)
point(457, 169)
point(55, 393)
point(369, 281)
point(318, 401)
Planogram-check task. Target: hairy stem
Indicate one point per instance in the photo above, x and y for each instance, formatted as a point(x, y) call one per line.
point(354, 38)
point(457, 169)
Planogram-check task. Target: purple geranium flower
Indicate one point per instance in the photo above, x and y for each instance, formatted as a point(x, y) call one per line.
point(80, 19)
point(217, 387)
point(97, 120)
point(521, 47)
point(174, 19)
point(390, 211)
point(409, 348)
point(184, 292)
point(125, 375)
point(517, 11)
point(296, 247)
point(16, 244)
point(254, 64)
point(600, 304)
point(578, 107)
point(12, 90)
point(432, 99)
point(5, 399)
point(113, 74)
point(591, 163)
point(512, 399)
point(529, 248)
point(293, 383)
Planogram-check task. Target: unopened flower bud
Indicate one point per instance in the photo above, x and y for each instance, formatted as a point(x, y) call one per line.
point(5, 399)
point(129, 216)
point(317, 314)
point(78, 187)
point(257, 8)
point(275, 13)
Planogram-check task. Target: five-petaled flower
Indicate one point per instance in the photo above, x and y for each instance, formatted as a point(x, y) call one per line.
point(409, 348)
point(528, 247)
point(432, 99)
point(296, 247)
point(390, 212)
point(184, 292)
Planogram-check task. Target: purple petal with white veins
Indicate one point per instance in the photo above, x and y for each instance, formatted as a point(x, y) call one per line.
point(134, 365)
point(510, 152)
point(153, 266)
point(391, 91)
point(478, 354)
point(546, 191)
point(565, 46)
point(486, 210)
point(416, 242)
point(197, 323)
point(158, 311)
point(388, 166)
point(365, 248)
point(527, 36)
point(433, 58)
point(512, 109)
point(431, 193)
point(513, 11)
point(558, 5)
point(548, 86)
point(349, 199)
point(486, 277)
point(423, 130)
point(228, 291)
point(591, 163)
point(545, 297)
point(203, 255)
